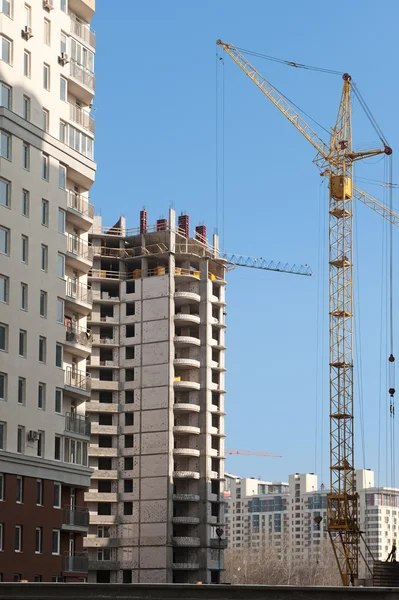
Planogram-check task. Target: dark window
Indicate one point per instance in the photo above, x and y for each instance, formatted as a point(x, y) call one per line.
point(130, 309)
point(129, 418)
point(130, 287)
point(129, 331)
point(105, 441)
point(128, 463)
point(104, 486)
point(104, 508)
point(128, 486)
point(103, 576)
point(105, 397)
point(129, 397)
point(129, 441)
point(129, 375)
point(105, 419)
point(128, 508)
point(129, 352)
point(127, 576)
point(105, 464)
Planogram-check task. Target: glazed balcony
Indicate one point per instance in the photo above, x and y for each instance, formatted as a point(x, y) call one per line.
point(81, 82)
point(83, 31)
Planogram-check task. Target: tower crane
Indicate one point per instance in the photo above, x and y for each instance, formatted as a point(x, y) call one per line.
point(335, 161)
point(250, 453)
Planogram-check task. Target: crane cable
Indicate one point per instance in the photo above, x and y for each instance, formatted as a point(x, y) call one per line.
point(289, 63)
point(391, 359)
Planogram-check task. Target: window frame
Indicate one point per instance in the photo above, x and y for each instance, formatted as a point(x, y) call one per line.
point(45, 167)
point(57, 539)
point(10, 49)
point(21, 393)
point(26, 156)
point(39, 492)
point(41, 395)
point(42, 349)
point(26, 106)
point(47, 31)
point(4, 85)
point(21, 439)
point(25, 202)
point(20, 490)
point(59, 393)
point(44, 212)
point(24, 297)
point(46, 119)
point(5, 289)
point(62, 176)
point(38, 546)
point(43, 296)
point(27, 64)
point(58, 486)
point(61, 263)
point(18, 538)
point(7, 185)
point(40, 445)
point(46, 76)
point(4, 377)
point(22, 337)
point(7, 233)
point(59, 346)
point(24, 249)
point(63, 89)
point(8, 136)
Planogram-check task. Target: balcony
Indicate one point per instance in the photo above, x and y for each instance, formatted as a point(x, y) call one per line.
point(185, 566)
point(187, 363)
point(83, 31)
point(185, 520)
point(183, 407)
point(183, 318)
point(178, 384)
point(186, 452)
point(77, 383)
point(79, 295)
point(75, 519)
point(80, 210)
point(185, 475)
point(186, 429)
point(77, 424)
point(185, 297)
point(79, 254)
point(81, 117)
point(79, 338)
point(186, 340)
point(81, 82)
point(186, 541)
point(75, 562)
point(104, 565)
point(84, 8)
point(186, 497)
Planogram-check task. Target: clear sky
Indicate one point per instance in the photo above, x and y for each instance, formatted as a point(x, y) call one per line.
point(156, 137)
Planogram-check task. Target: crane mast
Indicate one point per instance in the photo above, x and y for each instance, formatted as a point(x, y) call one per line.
point(336, 160)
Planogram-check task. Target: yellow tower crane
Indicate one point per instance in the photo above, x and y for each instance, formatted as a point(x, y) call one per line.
point(335, 161)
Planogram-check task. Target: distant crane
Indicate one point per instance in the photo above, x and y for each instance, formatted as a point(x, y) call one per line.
point(250, 453)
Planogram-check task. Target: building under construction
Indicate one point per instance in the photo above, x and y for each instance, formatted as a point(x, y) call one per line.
point(157, 403)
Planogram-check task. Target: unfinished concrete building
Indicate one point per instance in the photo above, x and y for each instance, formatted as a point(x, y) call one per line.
point(157, 405)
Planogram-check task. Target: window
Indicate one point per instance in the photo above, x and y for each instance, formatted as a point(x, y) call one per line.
point(46, 119)
point(63, 43)
point(3, 337)
point(82, 56)
point(62, 177)
point(38, 540)
point(3, 386)
point(2, 436)
point(24, 249)
point(64, 5)
point(27, 63)
point(5, 145)
point(18, 539)
point(43, 304)
point(57, 448)
point(5, 7)
point(80, 142)
point(58, 355)
point(25, 203)
point(5, 95)
point(47, 32)
point(63, 88)
point(61, 220)
point(46, 76)
point(45, 166)
point(4, 240)
point(25, 156)
point(22, 343)
point(104, 554)
point(63, 130)
point(4, 192)
point(58, 401)
point(20, 441)
point(57, 495)
point(44, 212)
point(129, 419)
point(129, 441)
point(27, 15)
point(128, 508)
point(104, 508)
point(41, 396)
point(60, 310)
point(42, 349)
point(128, 486)
point(55, 543)
point(24, 296)
point(4, 288)
point(17, 577)
point(21, 390)
point(40, 444)
point(5, 49)
point(39, 492)
point(61, 265)
point(128, 463)
point(103, 531)
point(37, 578)
point(44, 257)
point(26, 108)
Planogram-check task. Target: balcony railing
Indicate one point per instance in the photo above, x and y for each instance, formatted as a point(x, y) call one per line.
point(81, 204)
point(82, 117)
point(75, 245)
point(83, 31)
point(77, 516)
point(82, 74)
point(76, 562)
point(77, 424)
point(77, 379)
point(78, 292)
point(78, 335)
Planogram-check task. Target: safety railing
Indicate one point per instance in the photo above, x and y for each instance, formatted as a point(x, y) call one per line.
point(78, 292)
point(79, 247)
point(77, 424)
point(78, 335)
point(77, 379)
point(81, 204)
point(82, 117)
point(83, 31)
point(82, 74)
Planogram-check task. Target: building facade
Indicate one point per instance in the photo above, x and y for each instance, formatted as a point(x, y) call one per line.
point(46, 171)
point(294, 516)
point(157, 405)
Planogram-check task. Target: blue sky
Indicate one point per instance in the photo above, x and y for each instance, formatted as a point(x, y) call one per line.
point(156, 135)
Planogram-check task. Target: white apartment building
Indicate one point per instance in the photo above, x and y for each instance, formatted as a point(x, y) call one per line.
point(262, 513)
point(46, 171)
point(157, 404)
